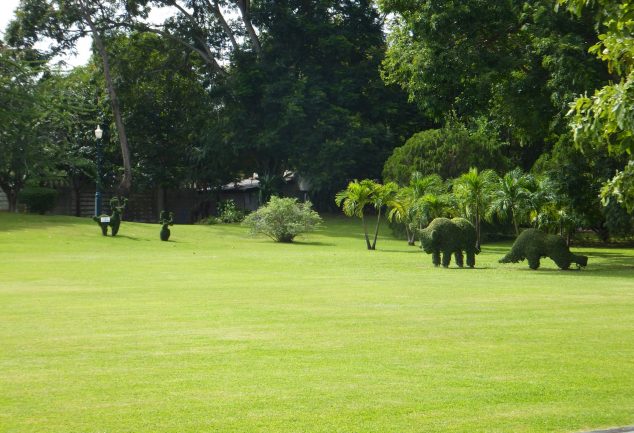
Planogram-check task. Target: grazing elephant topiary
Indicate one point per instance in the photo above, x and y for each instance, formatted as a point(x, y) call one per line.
point(533, 244)
point(116, 205)
point(166, 219)
point(449, 236)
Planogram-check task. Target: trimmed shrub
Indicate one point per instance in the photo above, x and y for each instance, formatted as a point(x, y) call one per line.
point(166, 219)
point(533, 244)
point(117, 205)
point(38, 199)
point(450, 236)
point(282, 219)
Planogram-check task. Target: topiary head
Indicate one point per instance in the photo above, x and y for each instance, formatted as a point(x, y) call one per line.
point(427, 238)
point(118, 204)
point(581, 260)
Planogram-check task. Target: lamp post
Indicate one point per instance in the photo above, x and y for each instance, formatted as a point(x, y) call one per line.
point(98, 135)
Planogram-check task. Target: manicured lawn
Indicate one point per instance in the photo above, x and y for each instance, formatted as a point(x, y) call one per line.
point(216, 331)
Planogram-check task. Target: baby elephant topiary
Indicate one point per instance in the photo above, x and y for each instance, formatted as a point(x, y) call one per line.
point(449, 236)
point(114, 221)
point(533, 244)
point(166, 219)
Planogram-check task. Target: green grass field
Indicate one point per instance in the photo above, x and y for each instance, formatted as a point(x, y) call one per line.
point(218, 332)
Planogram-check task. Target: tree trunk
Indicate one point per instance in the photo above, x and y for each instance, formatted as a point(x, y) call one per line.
point(243, 5)
point(12, 198)
point(126, 181)
point(11, 190)
point(365, 232)
point(477, 220)
point(517, 229)
point(411, 241)
point(376, 229)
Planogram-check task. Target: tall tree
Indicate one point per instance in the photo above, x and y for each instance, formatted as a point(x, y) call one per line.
point(21, 110)
point(606, 120)
point(67, 21)
point(41, 113)
point(516, 64)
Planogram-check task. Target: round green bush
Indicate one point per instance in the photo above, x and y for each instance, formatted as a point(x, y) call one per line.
point(282, 219)
point(38, 199)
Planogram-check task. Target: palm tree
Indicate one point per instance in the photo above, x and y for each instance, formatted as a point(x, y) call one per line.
point(354, 200)
point(510, 197)
point(473, 193)
point(542, 194)
point(408, 205)
point(358, 195)
point(402, 210)
point(384, 195)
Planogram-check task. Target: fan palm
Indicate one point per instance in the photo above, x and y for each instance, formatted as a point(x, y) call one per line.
point(510, 197)
point(542, 194)
point(473, 193)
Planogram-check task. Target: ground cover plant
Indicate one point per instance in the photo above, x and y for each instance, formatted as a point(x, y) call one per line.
point(214, 331)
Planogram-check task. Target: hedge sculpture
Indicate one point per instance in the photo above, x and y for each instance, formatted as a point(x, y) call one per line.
point(450, 236)
point(116, 205)
point(166, 219)
point(533, 244)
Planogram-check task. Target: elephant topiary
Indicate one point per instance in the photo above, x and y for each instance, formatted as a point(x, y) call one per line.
point(116, 205)
point(450, 236)
point(166, 219)
point(533, 244)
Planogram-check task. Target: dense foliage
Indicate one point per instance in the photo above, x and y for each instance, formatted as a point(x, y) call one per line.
point(448, 152)
point(38, 199)
point(220, 90)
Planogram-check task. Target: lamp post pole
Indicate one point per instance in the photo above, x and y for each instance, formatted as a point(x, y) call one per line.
point(98, 135)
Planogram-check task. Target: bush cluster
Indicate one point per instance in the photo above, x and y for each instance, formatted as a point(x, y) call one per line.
point(38, 199)
point(228, 212)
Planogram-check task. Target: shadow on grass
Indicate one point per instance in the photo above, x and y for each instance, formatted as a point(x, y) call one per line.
point(12, 221)
point(132, 238)
point(313, 243)
point(413, 250)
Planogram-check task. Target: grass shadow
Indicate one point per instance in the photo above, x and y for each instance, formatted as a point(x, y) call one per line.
point(127, 237)
point(313, 243)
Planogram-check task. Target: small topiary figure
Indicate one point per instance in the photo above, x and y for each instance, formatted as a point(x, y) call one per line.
point(449, 236)
point(166, 219)
point(533, 244)
point(117, 205)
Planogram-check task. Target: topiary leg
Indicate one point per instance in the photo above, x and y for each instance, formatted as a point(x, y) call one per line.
point(446, 259)
point(115, 229)
point(459, 259)
point(533, 262)
point(562, 263)
point(435, 258)
point(470, 259)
